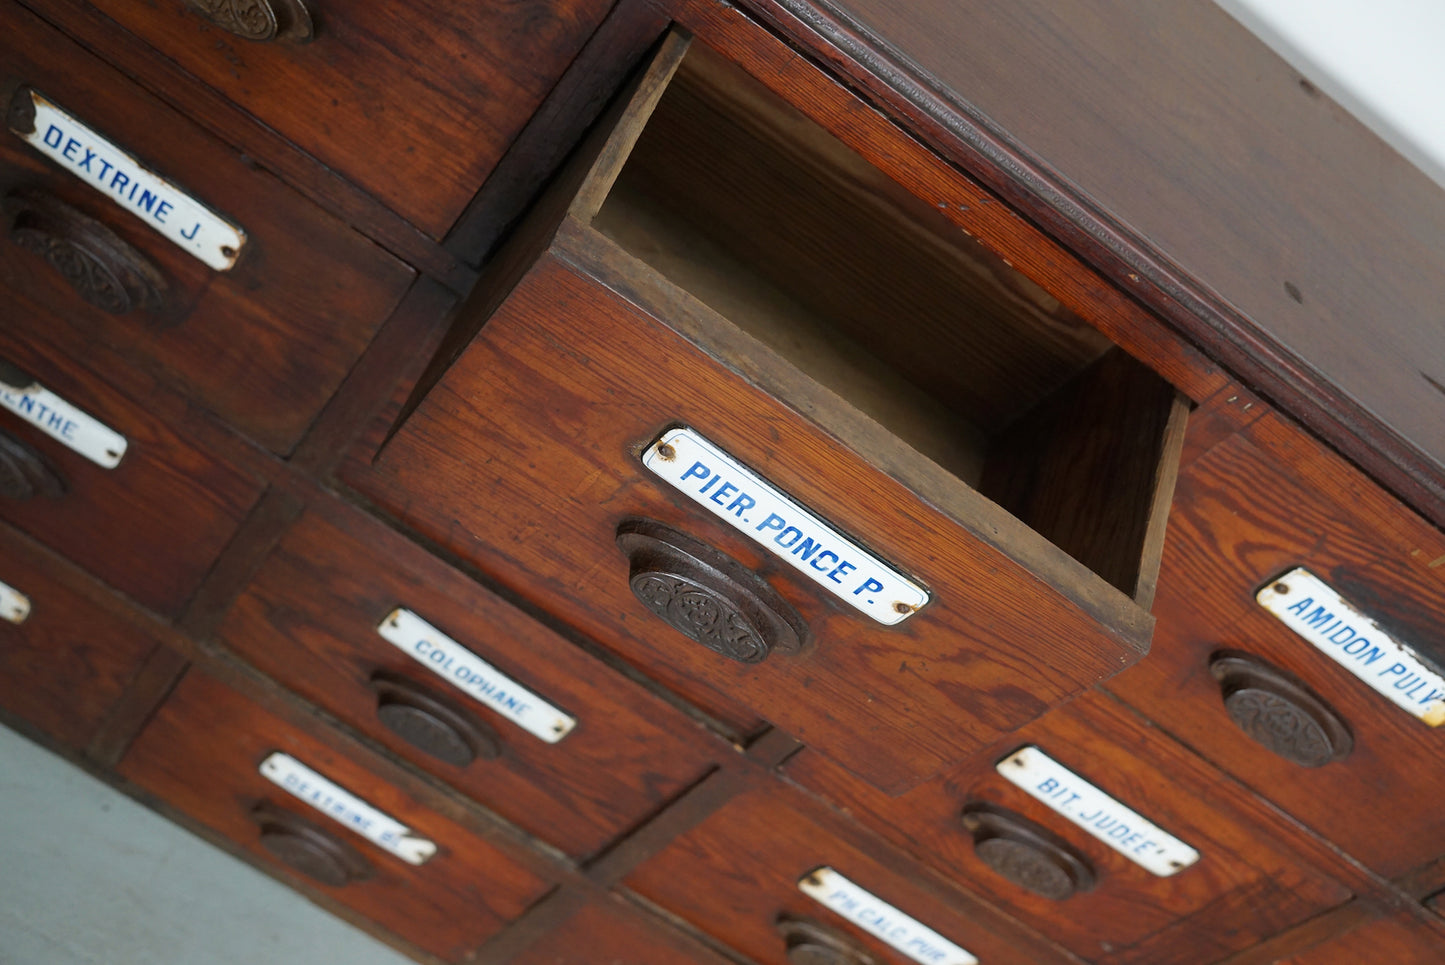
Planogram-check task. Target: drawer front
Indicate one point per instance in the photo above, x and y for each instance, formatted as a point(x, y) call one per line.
point(201, 754)
point(263, 344)
point(65, 659)
point(416, 105)
point(152, 525)
point(736, 876)
point(1252, 509)
point(612, 932)
point(311, 619)
point(994, 836)
point(1399, 940)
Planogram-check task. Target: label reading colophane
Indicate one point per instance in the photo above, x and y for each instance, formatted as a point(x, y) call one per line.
point(882, 920)
point(736, 495)
point(1314, 611)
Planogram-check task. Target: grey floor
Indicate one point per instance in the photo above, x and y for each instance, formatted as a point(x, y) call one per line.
point(89, 877)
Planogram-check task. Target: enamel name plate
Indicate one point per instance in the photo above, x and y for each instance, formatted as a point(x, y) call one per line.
point(14, 605)
point(189, 224)
point(60, 420)
point(1122, 829)
point(882, 920)
point(345, 808)
point(473, 676)
point(1354, 641)
point(733, 493)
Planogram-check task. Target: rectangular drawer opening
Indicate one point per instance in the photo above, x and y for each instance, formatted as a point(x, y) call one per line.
point(738, 199)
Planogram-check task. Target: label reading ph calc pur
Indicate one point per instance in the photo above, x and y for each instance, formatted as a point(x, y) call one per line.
point(882, 920)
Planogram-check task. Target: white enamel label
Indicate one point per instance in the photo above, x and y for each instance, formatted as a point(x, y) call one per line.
point(345, 808)
point(59, 419)
point(473, 676)
point(1100, 815)
point(14, 605)
point(882, 920)
point(120, 177)
point(1354, 641)
point(733, 493)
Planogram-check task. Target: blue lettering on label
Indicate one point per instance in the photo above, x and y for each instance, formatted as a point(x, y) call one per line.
point(1334, 630)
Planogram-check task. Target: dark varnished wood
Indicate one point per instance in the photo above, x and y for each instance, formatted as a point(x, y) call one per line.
point(201, 754)
point(1024, 853)
point(264, 344)
point(309, 619)
point(1398, 938)
point(613, 931)
point(1278, 711)
point(152, 684)
point(1251, 880)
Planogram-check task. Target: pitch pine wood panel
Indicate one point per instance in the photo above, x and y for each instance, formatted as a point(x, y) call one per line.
point(1400, 940)
point(263, 345)
point(609, 932)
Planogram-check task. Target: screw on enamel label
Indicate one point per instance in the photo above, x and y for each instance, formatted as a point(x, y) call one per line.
point(346, 809)
point(14, 605)
point(473, 676)
point(1305, 604)
point(74, 429)
point(1121, 828)
point(882, 920)
point(190, 225)
point(739, 497)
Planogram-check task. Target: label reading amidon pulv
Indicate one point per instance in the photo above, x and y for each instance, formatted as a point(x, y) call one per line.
point(346, 809)
point(14, 605)
point(739, 497)
point(473, 676)
point(62, 421)
point(882, 920)
point(193, 227)
point(1314, 611)
point(1121, 828)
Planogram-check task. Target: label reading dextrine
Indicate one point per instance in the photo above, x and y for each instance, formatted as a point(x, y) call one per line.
point(882, 920)
point(1314, 611)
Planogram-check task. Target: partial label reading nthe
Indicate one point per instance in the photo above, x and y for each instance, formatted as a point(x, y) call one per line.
point(882, 920)
point(1314, 611)
point(60, 420)
point(473, 676)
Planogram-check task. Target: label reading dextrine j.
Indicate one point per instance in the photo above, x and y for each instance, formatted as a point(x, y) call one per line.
point(739, 497)
point(882, 920)
point(1314, 611)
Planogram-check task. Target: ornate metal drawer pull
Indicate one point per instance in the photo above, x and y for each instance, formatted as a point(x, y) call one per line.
point(260, 20)
point(431, 725)
point(811, 943)
point(25, 473)
point(103, 269)
point(1025, 853)
point(1279, 712)
point(708, 596)
point(315, 853)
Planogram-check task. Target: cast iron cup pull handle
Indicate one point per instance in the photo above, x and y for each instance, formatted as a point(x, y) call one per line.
point(315, 853)
point(431, 725)
point(707, 596)
point(1278, 711)
point(260, 20)
point(93, 260)
point(25, 473)
point(808, 942)
point(1030, 856)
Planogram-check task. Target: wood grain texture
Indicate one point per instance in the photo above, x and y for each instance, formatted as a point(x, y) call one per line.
point(1400, 939)
point(1249, 883)
point(148, 689)
point(201, 752)
point(610, 931)
point(1253, 507)
point(264, 344)
point(415, 105)
point(150, 527)
point(738, 871)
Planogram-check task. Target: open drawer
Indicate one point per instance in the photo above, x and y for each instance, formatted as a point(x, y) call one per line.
point(895, 404)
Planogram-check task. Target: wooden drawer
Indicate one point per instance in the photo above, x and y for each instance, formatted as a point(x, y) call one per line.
point(67, 658)
point(1245, 885)
point(1253, 508)
point(416, 105)
point(1400, 940)
point(202, 753)
point(737, 875)
point(524, 454)
point(613, 932)
point(264, 344)
point(152, 525)
point(311, 620)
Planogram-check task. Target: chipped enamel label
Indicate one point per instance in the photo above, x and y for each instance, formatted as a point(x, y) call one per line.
point(1122, 829)
point(60, 420)
point(14, 605)
point(736, 495)
point(882, 920)
point(346, 809)
point(193, 227)
point(1314, 611)
point(473, 676)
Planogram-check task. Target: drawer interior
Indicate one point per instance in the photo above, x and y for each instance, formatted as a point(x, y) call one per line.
point(735, 197)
